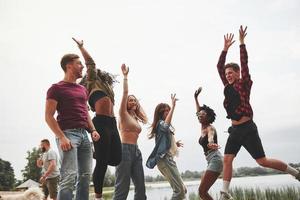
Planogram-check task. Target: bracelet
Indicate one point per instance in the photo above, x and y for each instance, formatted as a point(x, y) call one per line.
point(93, 130)
point(125, 79)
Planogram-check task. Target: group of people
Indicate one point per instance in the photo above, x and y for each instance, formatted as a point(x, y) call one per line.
point(72, 124)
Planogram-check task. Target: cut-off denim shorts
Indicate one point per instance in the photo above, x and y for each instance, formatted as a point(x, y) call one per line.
point(214, 161)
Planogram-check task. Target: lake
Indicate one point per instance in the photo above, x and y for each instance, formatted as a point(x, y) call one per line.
point(161, 191)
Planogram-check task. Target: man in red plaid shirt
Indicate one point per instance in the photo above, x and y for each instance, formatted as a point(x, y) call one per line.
point(243, 131)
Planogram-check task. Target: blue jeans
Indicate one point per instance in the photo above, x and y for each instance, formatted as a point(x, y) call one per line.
point(131, 166)
point(167, 166)
point(76, 166)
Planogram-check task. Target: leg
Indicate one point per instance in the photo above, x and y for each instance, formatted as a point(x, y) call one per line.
point(115, 147)
point(168, 168)
point(45, 190)
point(208, 179)
point(123, 171)
point(84, 167)
point(52, 187)
point(68, 170)
point(227, 167)
point(233, 145)
point(98, 177)
point(102, 152)
point(138, 177)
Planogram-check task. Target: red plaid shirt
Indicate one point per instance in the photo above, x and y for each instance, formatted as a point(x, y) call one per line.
point(242, 86)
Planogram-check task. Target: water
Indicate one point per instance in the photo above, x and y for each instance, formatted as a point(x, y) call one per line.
point(162, 191)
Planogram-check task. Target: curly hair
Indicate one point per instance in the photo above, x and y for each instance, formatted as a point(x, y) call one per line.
point(104, 76)
point(210, 113)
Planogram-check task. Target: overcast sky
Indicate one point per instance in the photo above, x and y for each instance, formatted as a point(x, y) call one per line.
point(171, 46)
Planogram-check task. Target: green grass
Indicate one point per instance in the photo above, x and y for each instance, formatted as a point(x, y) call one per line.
point(284, 193)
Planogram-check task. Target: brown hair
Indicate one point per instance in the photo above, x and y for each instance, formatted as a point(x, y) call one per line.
point(45, 141)
point(158, 115)
point(66, 59)
point(232, 65)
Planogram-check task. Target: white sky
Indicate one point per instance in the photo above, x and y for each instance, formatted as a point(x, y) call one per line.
point(171, 46)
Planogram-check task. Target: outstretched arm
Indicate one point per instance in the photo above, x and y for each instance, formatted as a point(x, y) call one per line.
point(196, 94)
point(123, 106)
point(90, 64)
point(244, 55)
point(228, 41)
point(211, 133)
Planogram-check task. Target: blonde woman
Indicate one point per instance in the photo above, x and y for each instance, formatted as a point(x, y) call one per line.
point(131, 166)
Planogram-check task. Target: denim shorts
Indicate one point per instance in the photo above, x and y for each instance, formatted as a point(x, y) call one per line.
point(214, 161)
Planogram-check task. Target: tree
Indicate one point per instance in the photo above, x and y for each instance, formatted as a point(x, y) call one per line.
point(31, 171)
point(7, 175)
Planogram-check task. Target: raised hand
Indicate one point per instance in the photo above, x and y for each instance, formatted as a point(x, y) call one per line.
point(174, 99)
point(125, 69)
point(197, 92)
point(243, 34)
point(228, 41)
point(78, 42)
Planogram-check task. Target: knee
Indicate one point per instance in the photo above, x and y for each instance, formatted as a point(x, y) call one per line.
point(67, 181)
point(202, 192)
point(181, 192)
point(84, 176)
point(262, 162)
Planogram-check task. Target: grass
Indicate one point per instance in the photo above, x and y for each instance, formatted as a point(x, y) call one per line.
point(284, 193)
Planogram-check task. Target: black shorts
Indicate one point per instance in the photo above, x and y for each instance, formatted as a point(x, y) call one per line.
point(245, 135)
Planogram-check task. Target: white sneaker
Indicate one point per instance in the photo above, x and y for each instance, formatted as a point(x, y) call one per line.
point(225, 196)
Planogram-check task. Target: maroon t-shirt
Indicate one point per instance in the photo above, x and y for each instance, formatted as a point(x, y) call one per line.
point(71, 108)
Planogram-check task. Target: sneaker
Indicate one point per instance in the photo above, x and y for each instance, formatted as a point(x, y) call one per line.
point(225, 196)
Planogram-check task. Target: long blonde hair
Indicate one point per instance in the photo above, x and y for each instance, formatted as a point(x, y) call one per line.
point(139, 112)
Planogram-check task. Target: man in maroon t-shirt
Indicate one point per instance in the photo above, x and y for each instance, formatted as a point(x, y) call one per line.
point(69, 99)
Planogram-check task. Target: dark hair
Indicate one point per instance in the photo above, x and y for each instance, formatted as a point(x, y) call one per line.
point(232, 65)
point(45, 141)
point(210, 113)
point(158, 115)
point(104, 76)
point(66, 59)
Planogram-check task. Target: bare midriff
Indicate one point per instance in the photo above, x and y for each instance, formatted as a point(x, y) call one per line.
point(104, 106)
point(129, 137)
point(240, 121)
